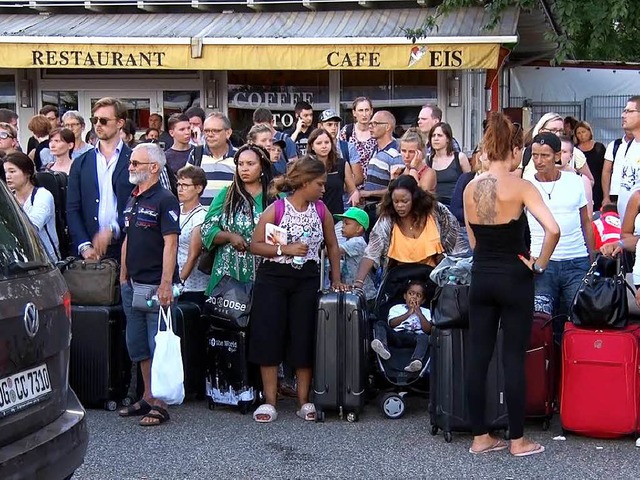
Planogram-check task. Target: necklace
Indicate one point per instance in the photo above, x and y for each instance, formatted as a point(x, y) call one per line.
point(552, 188)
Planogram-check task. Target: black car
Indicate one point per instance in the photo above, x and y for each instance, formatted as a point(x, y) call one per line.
point(43, 431)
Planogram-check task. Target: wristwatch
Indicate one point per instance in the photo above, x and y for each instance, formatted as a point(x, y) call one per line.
point(279, 251)
point(537, 269)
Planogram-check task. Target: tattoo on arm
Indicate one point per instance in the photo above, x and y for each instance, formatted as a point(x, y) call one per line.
point(484, 196)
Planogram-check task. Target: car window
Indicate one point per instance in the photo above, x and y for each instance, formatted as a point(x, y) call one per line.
point(20, 248)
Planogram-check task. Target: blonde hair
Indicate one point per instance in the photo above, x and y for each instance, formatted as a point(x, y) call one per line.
point(546, 118)
point(412, 135)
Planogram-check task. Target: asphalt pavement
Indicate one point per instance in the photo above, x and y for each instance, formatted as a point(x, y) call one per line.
point(201, 444)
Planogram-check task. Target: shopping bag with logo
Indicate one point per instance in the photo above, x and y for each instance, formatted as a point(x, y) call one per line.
point(167, 373)
point(229, 305)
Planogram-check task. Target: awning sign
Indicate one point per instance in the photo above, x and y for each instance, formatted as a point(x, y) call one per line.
point(252, 57)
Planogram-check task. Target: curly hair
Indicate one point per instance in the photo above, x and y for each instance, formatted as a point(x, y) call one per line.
point(422, 203)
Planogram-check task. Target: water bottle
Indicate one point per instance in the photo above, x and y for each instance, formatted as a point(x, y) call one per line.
point(452, 280)
point(155, 301)
point(297, 259)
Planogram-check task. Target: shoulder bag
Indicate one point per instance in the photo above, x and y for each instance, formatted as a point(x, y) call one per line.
point(93, 282)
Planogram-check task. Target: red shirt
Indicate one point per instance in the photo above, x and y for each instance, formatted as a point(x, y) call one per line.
point(606, 229)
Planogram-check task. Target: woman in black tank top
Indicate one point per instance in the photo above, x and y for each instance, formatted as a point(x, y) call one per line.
point(501, 293)
point(448, 165)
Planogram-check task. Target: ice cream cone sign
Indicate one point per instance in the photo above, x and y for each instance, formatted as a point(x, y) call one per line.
point(416, 54)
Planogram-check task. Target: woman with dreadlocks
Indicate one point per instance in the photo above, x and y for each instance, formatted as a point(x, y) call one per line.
point(234, 214)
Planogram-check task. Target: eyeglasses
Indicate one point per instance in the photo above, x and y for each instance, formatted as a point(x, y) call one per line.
point(555, 131)
point(5, 135)
point(629, 110)
point(209, 131)
point(376, 124)
point(74, 124)
point(184, 185)
point(103, 121)
point(136, 163)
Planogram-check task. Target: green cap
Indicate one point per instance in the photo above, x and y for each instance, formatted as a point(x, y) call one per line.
point(356, 214)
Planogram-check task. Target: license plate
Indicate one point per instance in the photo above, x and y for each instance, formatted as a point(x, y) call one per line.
point(22, 389)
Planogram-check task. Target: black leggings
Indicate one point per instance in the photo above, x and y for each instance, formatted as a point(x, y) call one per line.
point(494, 299)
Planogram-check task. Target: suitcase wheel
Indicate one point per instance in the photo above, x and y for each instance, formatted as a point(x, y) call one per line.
point(448, 437)
point(352, 417)
point(111, 405)
point(211, 404)
point(319, 416)
point(434, 430)
point(126, 401)
point(392, 405)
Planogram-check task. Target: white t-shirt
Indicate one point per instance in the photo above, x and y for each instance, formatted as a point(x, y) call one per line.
point(630, 174)
point(411, 324)
point(616, 171)
point(197, 281)
point(564, 197)
point(42, 213)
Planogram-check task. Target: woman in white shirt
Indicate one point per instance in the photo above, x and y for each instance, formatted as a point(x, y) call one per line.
point(36, 202)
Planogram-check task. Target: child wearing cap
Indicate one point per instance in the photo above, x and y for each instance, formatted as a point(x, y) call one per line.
point(355, 222)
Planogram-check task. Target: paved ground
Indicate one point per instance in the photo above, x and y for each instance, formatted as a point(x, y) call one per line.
point(202, 444)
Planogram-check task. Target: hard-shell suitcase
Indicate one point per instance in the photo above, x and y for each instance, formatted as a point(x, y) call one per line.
point(600, 381)
point(228, 376)
point(540, 370)
point(56, 184)
point(99, 365)
point(342, 343)
point(192, 330)
point(448, 396)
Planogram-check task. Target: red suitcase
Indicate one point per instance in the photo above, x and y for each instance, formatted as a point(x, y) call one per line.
point(540, 370)
point(600, 381)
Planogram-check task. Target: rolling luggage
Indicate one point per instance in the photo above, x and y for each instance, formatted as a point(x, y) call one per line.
point(600, 381)
point(448, 397)
point(191, 329)
point(342, 343)
point(56, 184)
point(228, 376)
point(99, 365)
point(540, 370)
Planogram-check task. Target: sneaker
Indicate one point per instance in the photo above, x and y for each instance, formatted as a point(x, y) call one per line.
point(380, 349)
point(414, 366)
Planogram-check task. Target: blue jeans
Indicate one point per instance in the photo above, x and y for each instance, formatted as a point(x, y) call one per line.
point(561, 281)
point(141, 326)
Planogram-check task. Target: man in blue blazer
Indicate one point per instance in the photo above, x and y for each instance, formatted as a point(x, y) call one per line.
point(99, 186)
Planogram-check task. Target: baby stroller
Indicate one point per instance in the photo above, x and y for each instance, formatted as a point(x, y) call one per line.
point(395, 382)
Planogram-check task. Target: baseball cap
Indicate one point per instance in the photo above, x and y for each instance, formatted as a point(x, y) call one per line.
point(329, 115)
point(280, 143)
point(549, 139)
point(356, 214)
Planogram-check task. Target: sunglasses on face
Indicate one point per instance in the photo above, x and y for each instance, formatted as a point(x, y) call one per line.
point(5, 135)
point(103, 121)
point(136, 163)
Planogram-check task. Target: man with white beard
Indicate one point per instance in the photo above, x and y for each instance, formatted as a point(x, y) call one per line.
point(149, 251)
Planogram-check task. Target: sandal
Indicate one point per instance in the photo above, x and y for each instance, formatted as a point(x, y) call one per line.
point(162, 416)
point(265, 413)
point(535, 448)
point(307, 412)
point(141, 407)
point(496, 447)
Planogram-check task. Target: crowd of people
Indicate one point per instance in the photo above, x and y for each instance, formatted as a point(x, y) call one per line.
point(523, 204)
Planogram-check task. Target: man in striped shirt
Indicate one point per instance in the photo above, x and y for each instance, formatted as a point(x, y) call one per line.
point(215, 156)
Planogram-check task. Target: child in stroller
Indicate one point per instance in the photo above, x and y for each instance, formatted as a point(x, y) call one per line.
point(408, 326)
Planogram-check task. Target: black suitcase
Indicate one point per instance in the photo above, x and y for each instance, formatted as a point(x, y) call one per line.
point(229, 379)
point(191, 328)
point(56, 184)
point(342, 346)
point(99, 365)
point(448, 396)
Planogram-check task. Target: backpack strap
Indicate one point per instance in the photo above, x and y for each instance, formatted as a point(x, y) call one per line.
point(616, 146)
point(198, 152)
point(526, 157)
point(279, 206)
point(349, 131)
point(46, 230)
point(321, 208)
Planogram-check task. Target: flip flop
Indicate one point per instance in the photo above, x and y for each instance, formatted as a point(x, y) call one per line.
point(139, 408)
point(162, 416)
point(307, 412)
point(266, 410)
point(496, 447)
point(535, 451)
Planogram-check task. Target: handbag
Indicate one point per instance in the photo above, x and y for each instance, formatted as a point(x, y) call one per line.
point(167, 372)
point(142, 293)
point(229, 305)
point(450, 307)
point(205, 262)
point(93, 282)
point(601, 299)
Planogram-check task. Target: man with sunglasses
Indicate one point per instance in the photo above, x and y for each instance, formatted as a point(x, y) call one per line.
point(99, 186)
point(8, 143)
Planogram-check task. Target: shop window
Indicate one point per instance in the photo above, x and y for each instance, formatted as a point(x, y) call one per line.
point(65, 101)
point(178, 102)
point(276, 90)
point(8, 92)
point(138, 110)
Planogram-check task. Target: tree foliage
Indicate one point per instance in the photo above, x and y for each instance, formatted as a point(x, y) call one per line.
point(589, 29)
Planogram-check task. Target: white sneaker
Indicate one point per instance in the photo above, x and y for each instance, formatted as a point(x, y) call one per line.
point(414, 366)
point(380, 349)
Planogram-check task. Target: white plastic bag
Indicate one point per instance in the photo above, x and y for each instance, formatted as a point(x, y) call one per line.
point(167, 373)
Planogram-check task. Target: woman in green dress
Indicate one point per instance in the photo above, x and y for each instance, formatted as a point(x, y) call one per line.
point(234, 214)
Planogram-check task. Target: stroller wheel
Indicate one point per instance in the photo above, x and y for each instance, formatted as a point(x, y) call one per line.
point(392, 405)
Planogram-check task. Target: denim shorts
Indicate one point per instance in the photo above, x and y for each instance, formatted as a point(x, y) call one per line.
point(141, 327)
point(561, 281)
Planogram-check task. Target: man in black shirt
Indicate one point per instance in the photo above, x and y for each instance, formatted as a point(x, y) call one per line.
point(149, 258)
point(304, 126)
point(180, 130)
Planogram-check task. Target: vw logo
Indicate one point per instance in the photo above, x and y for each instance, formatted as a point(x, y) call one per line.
point(31, 320)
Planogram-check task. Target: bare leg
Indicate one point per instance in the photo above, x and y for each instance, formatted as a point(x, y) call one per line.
point(270, 383)
point(145, 368)
point(303, 376)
